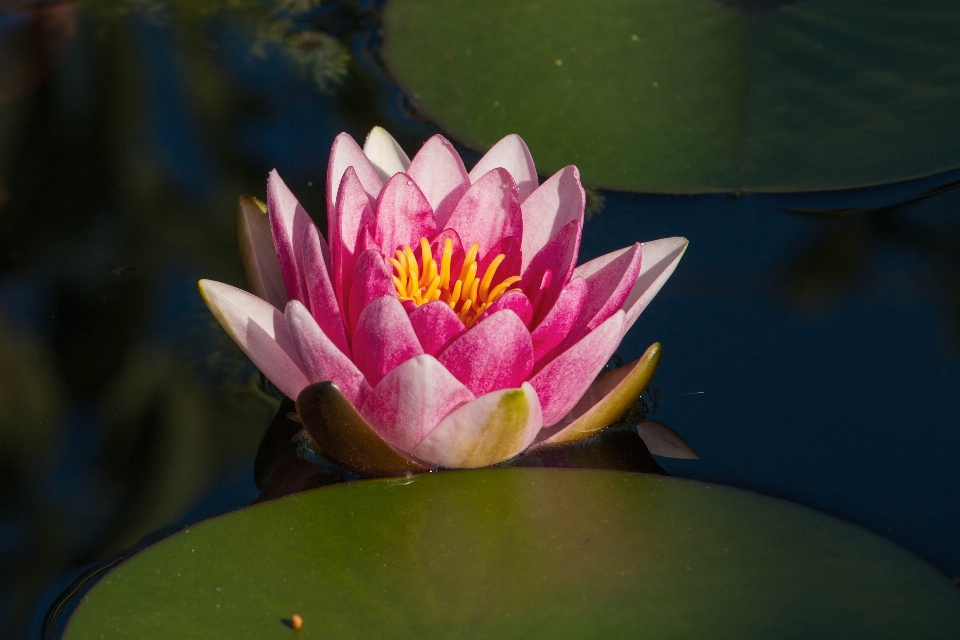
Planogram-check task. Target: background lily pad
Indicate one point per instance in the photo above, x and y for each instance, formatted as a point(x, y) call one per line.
point(693, 95)
point(505, 553)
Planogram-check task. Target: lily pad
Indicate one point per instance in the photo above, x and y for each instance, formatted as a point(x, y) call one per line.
point(521, 553)
point(693, 95)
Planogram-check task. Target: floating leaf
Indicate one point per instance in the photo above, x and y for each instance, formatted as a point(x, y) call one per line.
point(522, 553)
point(693, 95)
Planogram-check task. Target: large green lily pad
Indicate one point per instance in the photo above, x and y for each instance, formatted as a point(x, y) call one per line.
point(693, 95)
point(522, 553)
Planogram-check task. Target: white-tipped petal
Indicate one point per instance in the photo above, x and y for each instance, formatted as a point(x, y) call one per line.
point(660, 258)
point(260, 330)
point(385, 154)
point(512, 154)
point(485, 431)
point(550, 208)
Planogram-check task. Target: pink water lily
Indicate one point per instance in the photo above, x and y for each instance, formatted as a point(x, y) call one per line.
point(447, 308)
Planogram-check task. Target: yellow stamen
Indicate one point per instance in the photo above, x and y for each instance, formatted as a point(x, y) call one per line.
point(469, 259)
point(475, 285)
point(432, 289)
point(425, 280)
point(469, 279)
point(488, 276)
point(501, 288)
point(455, 296)
point(429, 271)
point(445, 264)
point(466, 309)
point(414, 272)
point(401, 279)
point(427, 255)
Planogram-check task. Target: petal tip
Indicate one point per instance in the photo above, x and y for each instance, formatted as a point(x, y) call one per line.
point(248, 201)
point(206, 288)
point(375, 132)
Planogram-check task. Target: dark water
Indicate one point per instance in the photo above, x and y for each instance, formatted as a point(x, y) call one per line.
point(812, 342)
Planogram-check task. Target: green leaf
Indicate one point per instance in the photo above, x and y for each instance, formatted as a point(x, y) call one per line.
point(693, 95)
point(522, 553)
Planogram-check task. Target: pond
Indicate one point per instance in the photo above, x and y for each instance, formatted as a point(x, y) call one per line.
point(811, 334)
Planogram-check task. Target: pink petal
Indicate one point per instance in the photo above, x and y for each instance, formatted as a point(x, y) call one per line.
point(403, 215)
point(488, 211)
point(384, 153)
point(607, 289)
point(515, 301)
point(322, 359)
point(436, 326)
point(289, 222)
point(260, 331)
point(365, 241)
point(320, 295)
point(372, 279)
point(510, 153)
point(342, 436)
point(411, 400)
point(660, 258)
point(383, 339)
point(552, 331)
point(564, 380)
point(554, 204)
point(352, 214)
point(607, 398)
point(438, 171)
point(488, 430)
point(257, 252)
point(344, 153)
point(492, 355)
point(557, 257)
point(587, 269)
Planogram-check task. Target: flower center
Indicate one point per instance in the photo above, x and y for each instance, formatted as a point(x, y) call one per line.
point(426, 281)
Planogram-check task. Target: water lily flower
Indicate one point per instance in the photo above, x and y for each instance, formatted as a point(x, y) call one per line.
point(444, 320)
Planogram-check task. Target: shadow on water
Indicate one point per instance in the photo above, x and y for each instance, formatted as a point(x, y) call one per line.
point(811, 341)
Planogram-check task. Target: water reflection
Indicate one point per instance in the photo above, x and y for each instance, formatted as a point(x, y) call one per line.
point(804, 350)
point(32, 42)
point(848, 256)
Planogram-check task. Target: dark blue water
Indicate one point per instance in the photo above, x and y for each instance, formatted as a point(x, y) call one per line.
point(811, 342)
